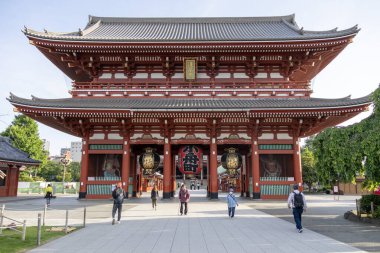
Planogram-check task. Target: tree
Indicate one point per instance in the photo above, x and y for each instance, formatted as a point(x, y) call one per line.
point(74, 170)
point(309, 174)
point(24, 135)
point(51, 170)
point(340, 151)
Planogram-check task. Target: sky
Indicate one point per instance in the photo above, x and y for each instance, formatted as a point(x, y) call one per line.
point(24, 71)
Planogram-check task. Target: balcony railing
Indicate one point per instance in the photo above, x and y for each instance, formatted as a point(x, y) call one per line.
point(203, 85)
point(155, 88)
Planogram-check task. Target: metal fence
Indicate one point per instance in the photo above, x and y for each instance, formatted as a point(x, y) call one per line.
point(39, 187)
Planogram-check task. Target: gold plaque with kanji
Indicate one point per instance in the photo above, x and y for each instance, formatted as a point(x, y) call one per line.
point(190, 69)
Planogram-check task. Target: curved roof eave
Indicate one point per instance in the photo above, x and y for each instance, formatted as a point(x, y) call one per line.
point(249, 29)
point(49, 104)
point(118, 41)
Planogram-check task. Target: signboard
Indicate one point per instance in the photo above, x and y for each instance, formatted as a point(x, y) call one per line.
point(190, 69)
point(190, 159)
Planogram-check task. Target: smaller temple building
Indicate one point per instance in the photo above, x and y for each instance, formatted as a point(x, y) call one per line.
point(11, 160)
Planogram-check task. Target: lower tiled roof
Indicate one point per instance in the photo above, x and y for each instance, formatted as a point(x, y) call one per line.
point(10, 154)
point(189, 103)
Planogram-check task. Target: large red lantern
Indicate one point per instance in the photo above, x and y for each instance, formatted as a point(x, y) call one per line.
point(190, 159)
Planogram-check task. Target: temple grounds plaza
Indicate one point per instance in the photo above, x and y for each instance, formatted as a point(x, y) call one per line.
point(259, 226)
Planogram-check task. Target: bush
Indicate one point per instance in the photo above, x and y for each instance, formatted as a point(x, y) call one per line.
point(377, 212)
point(365, 203)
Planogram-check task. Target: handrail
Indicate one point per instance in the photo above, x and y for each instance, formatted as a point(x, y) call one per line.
point(163, 84)
point(14, 228)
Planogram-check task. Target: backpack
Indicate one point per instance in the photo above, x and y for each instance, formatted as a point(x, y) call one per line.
point(298, 200)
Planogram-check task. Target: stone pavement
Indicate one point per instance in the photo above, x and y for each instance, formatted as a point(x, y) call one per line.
point(206, 228)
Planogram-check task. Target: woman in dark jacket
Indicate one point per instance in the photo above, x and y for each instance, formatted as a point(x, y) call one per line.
point(154, 196)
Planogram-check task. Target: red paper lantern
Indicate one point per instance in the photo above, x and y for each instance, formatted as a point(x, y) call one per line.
point(190, 159)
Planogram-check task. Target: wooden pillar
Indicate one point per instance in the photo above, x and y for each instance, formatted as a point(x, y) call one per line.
point(8, 181)
point(213, 169)
point(167, 170)
point(208, 175)
point(134, 176)
point(255, 169)
point(242, 183)
point(84, 169)
point(297, 162)
point(247, 172)
point(174, 181)
point(126, 165)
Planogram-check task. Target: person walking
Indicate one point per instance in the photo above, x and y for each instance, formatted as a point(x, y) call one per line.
point(118, 195)
point(231, 203)
point(154, 196)
point(184, 197)
point(297, 202)
point(48, 194)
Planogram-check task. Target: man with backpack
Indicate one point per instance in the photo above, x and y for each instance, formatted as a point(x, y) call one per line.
point(118, 197)
point(297, 202)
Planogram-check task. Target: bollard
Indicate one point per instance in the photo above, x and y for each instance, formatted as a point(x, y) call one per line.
point(67, 221)
point(372, 209)
point(39, 230)
point(23, 230)
point(358, 208)
point(84, 217)
point(43, 218)
point(2, 218)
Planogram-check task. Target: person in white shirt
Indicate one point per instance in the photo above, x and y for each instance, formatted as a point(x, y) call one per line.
point(297, 202)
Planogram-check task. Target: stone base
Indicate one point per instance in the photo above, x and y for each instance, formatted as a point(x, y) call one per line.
point(166, 195)
point(256, 195)
point(82, 195)
point(213, 195)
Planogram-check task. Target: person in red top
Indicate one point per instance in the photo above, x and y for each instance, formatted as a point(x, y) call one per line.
point(184, 197)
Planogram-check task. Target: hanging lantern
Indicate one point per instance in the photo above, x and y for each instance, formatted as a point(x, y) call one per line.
point(190, 159)
point(231, 161)
point(149, 161)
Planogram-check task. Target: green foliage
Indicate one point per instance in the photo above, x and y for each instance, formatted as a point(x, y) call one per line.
point(25, 177)
point(309, 174)
point(11, 241)
point(376, 213)
point(365, 202)
point(24, 135)
point(338, 155)
point(339, 151)
point(74, 170)
point(51, 170)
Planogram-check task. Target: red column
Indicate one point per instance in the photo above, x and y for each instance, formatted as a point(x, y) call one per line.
point(213, 169)
point(84, 169)
point(134, 176)
point(242, 184)
point(297, 162)
point(9, 178)
point(174, 180)
point(167, 170)
point(247, 172)
point(255, 169)
point(126, 164)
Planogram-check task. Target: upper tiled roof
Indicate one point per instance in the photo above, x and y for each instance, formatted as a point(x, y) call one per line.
point(221, 29)
point(10, 154)
point(172, 104)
